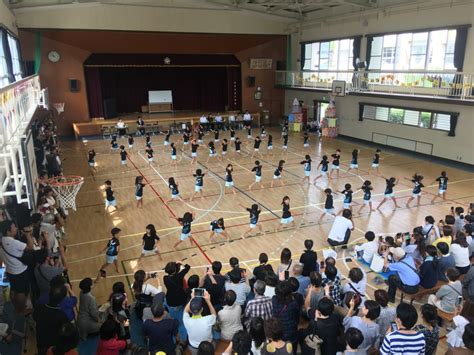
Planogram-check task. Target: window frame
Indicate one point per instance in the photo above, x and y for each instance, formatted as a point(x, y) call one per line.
point(308, 56)
point(6, 33)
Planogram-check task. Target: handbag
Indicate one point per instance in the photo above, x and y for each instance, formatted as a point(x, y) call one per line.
point(314, 342)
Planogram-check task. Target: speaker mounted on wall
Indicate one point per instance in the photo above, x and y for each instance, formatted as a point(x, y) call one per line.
point(251, 81)
point(74, 85)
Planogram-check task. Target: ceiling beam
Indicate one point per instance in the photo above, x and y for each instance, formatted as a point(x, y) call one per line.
point(361, 3)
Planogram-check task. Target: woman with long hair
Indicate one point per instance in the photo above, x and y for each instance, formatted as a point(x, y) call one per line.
point(460, 252)
point(185, 222)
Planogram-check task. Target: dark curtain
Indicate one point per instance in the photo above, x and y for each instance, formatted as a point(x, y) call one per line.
point(460, 48)
point(94, 92)
point(302, 54)
point(7, 54)
point(361, 112)
point(452, 124)
point(356, 51)
point(368, 51)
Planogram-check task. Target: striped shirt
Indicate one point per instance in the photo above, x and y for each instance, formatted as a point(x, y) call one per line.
point(397, 343)
point(260, 306)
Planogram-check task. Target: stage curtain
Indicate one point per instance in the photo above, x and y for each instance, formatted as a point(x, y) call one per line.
point(356, 51)
point(368, 51)
point(94, 92)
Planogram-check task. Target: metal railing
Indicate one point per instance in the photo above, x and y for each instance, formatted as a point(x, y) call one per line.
point(455, 85)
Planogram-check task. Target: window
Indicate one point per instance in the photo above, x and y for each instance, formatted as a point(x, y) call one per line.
point(430, 50)
point(3, 66)
point(15, 54)
point(329, 55)
point(406, 116)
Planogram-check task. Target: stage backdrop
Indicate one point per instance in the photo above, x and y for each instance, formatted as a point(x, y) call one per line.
point(198, 82)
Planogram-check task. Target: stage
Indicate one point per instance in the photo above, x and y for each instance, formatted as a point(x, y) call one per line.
point(154, 122)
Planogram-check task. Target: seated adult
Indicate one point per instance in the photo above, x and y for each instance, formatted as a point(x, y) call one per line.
point(303, 280)
point(204, 122)
point(199, 327)
point(404, 340)
point(109, 342)
point(271, 280)
point(460, 252)
point(88, 316)
point(309, 258)
point(261, 270)
point(218, 121)
point(429, 268)
point(445, 261)
point(315, 291)
point(341, 229)
point(121, 127)
point(260, 306)
point(160, 331)
point(406, 277)
point(446, 297)
point(369, 312)
point(241, 289)
point(229, 316)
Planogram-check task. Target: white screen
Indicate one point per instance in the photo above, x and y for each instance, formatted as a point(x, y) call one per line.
point(160, 97)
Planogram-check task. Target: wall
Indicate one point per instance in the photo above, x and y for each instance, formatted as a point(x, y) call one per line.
point(273, 99)
point(7, 18)
point(142, 18)
point(55, 76)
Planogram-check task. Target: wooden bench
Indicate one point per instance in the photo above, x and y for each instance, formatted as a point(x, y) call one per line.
point(424, 291)
point(447, 316)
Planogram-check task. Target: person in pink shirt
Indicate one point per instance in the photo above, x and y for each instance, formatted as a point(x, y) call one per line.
point(109, 343)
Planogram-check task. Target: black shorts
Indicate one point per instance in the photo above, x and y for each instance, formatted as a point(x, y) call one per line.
point(20, 283)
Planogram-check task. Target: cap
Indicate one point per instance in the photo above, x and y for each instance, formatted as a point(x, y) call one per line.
point(397, 252)
point(196, 305)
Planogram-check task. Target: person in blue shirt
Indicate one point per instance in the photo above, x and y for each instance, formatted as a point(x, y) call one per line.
point(367, 190)
point(443, 186)
point(406, 277)
point(307, 168)
point(417, 186)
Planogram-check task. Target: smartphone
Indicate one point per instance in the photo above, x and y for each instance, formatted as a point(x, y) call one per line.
point(407, 236)
point(287, 275)
point(393, 326)
point(198, 292)
point(153, 275)
point(458, 301)
point(360, 254)
point(321, 264)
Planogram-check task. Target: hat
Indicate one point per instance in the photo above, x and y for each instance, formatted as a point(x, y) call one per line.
point(196, 305)
point(397, 252)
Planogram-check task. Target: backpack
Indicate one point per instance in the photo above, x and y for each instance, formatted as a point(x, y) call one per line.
point(142, 301)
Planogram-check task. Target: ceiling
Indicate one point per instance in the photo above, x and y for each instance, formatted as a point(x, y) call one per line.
point(96, 41)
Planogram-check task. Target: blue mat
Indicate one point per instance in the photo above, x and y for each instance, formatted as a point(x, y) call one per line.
point(384, 275)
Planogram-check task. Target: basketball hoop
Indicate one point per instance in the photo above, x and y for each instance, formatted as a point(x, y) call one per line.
point(59, 107)
point(66, 187)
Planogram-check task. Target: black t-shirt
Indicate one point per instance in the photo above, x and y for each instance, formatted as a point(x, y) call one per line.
point(253, 215)
point(329, 204)
point(443, 182)
point(270, 141)
point(224, 147)
point(48, 322)
point(123, 155)
point(228, 176)
point(355, 155)
point(347, 196)
point(194, 148)
point(261, 271)
point(160, 335)
point(286, 211)
point(417, 187)
point(216, 291)
point(149, 241)
point(109, 194)
point(175, 294)
point(200, 135)
point(232, 133)
point(335, 159)
point(376, 158)
point(174, 189)
point(130, 140)
point(367, 192)
point(285, 139)
point(167, 137)
point(237, 145)
point(91, 156)
point(139, 190)
point(309, 259)
point(257, 143)
point(324, 165)
point(278, 171)
point(149, 153)
point(258, 170)
point(173, 151)
point(215, 225)
point(199, 180)
point(216, 134)
point(389, 187)
point(186, 227)
point(112, 247)
point(328, 330)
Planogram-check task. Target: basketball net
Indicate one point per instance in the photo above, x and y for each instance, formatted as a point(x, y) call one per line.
point(59, 107)
point(66, 187)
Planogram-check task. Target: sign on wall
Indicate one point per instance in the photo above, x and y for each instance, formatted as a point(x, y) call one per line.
point(261, 63)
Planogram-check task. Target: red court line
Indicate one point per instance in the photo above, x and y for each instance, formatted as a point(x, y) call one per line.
point(167, 207)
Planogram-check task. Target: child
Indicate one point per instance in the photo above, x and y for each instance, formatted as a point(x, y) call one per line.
point(199, 182)
point(200, 134)
point(139, 191)
point(149, 154)
point(336, 160)
point(307, 168)
point(418, 185)
point(277, 173)
point(123, 156)
point(148, 139)
point(229, 181)
point(174, 189)
point(258, 174)
point(390, 184)
point(216, 135)
point(443, 186)
point(113, 143)
point(212, 151)
point(305, 140)
point(347, 192)
point(376, 162)
point(174, 160)
point(194, 147)
point(185, 221)
point(354, 162)
point(256, 147)
point(367, 189)
point(285, 140)
point(166, 142)
point(328, 205)
point(254, 214)
point(249, 131)
point(324, 164)
point(130, 142)
point(263, 133)
point(150, 242)
point(367, 250)
point(91, 161)
point(286, 217)
point(232, 134)
point(270, 143)
point(224, 144)
point(237, 145)
point(217, 227)
point(109, 197)
point(111, 253)
point(185, 138)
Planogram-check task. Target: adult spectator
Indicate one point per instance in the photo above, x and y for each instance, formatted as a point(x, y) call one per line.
point(143, 291)
point(271, 280)
point(198, 327)
point(88, 321)
point(446, 297)
point(214, 283)
point(286, 309)
point(285, 263)
point(446, 237)
point(354, 339)
point(370, 311)
point(415, 247)
point(49, 319)
point(468, 283)
point(11, 252)
point(257, 332)
point(387, 313)
point(406, 277)
point(53, 163)
point(241, 289)
point(460, 252)
point(68, 340)
point(309, 258)
point(445, 261)
point(241, 344)
point(218, 121)
point(341, 229)
point(48, 230)
point(275, 338)
point(333, 281)
point(109, 342)
point(247, 118)
point(298, 297)
point(229, 316)
point(430, 230)
point(260, 306)
point(261, 270)
point(468, 340)
point(234, 265)
point(429, 328)
point(46, 270)
point(404, 340)
point(302, 280)
point(369, 248)
point(429, 268)
point(315, 292)
point(204, 122)
point(205, 348)
point(68, 304)
point(357, 282)
point(160, 331)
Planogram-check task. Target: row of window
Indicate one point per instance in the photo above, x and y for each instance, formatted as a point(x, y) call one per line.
point(430, 50)
point(11, 59)
point(423, 119)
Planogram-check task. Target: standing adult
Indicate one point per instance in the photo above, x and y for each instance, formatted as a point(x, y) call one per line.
point(160, 331)
point(260, 306)
point(286, 309)
point(341, 229)
point(88, 321)
point(309, 258)
point(53, 163)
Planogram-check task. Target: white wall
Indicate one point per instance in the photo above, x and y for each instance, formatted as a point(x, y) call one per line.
point(139, 18)
point(7, 18)
point(460, 147)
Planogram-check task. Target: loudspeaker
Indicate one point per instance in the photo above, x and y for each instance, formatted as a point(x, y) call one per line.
point(281, 65)
point(251, 81)
point(110, 108)
point(73, 85)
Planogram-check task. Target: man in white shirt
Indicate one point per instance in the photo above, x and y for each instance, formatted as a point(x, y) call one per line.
point(369, 248)
point(341, 229)
point(11, 250)
point(218, 120)
point(204, 122)
point(199, 328)
point(247, 117)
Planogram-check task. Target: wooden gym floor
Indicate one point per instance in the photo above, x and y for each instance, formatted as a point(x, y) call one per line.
point(88, 229)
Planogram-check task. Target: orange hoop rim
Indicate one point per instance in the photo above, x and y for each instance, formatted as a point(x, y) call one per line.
point(69, 180)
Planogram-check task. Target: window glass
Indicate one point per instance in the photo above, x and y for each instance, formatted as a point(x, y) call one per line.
point(425, 121)
point(441, 121)
point(382, 113)
point(330, 55)
point(411, 117)
point(3, 65)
